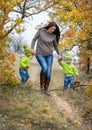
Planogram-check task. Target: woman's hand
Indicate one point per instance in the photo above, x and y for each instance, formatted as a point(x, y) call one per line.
point(59, 57)
point(33, 52)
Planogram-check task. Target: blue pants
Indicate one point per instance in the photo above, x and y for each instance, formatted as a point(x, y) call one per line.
point(24, 75)
point(46, 64)
point(68, 80)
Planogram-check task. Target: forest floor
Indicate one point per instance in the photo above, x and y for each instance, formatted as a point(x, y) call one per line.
point(26, 108)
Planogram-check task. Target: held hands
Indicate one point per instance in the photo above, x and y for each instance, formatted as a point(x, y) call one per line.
point(59, 57)
point(26, 68)
point(33, 52)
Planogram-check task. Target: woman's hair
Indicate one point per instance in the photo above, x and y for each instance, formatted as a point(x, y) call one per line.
point(56, 32)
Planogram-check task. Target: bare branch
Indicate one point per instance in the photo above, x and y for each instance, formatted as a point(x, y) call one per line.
point(27, 5)
point(23, 13)
point(25, 9)
point(41, 10)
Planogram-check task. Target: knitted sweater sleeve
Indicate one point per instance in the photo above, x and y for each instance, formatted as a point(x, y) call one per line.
point(35, 38)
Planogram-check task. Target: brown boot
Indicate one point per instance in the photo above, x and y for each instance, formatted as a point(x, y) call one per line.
point(42, 81)
point(46, 86)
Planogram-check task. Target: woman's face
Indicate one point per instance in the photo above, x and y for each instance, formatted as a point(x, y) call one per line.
point(51, 29)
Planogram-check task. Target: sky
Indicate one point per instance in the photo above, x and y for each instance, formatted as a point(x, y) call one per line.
point(31, 26)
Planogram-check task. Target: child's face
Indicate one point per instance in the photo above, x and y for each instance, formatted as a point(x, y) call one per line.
point(68, 61)
point(28, 54)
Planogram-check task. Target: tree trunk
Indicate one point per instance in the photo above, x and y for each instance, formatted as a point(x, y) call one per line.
point(88, 65)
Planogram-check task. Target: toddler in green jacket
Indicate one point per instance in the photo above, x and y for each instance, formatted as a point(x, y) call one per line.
point(25, 64)
point(69, 72)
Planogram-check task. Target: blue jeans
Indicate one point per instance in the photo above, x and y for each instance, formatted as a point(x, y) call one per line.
point(68, 80)
point(24, 75)
point(46, 64)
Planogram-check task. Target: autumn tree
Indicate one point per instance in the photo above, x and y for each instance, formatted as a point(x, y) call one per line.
point(6, 58)
point(13, 14)
point(75, 20)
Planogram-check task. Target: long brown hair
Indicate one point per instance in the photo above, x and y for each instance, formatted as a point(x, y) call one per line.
point(56, 32)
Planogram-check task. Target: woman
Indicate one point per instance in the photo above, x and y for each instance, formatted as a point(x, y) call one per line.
point(47, 38)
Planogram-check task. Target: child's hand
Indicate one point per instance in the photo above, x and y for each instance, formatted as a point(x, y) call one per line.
point(59, 58)
point(26, 68)
point(77, 76)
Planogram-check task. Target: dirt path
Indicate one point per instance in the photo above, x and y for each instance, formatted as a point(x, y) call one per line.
point(66, 108)
point(57, 83)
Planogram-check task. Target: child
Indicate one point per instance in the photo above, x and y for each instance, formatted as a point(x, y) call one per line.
point(69, 72)
point(25, 64)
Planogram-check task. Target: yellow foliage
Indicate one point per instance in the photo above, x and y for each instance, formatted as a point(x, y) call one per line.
point(78, 16)
point(20, 29)
point(7, 58)
point(6, 7)
point(18, 21)
point(88, 90)
point(65, 45)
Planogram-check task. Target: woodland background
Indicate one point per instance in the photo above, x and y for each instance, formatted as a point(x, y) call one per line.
point(75, 20)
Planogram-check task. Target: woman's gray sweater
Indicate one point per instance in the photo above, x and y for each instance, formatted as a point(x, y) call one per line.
point(45, 42)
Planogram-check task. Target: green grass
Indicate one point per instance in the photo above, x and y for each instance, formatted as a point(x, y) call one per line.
point(24, 108)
